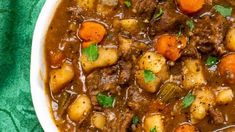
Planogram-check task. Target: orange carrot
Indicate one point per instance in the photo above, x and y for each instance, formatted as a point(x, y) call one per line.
point(170, 46)
point(227, 68)
point(190, 6)
point(186, 128)
point(87, 44)
point(92, 31)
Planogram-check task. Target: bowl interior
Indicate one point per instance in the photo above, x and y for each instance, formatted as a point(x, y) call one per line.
point(37, 69)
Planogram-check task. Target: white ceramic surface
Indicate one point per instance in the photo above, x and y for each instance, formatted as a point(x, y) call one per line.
point(37, 68)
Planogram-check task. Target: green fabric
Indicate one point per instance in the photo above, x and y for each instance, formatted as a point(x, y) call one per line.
point(17, 21)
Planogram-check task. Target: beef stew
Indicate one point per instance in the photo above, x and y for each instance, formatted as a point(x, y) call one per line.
point(142, 65)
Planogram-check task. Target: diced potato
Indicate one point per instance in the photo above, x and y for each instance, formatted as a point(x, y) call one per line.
point(130, 25)
point(109, 2)
point(200, 106)
point(98, 120)
point(186, 128)
point(224, 96)
point(86, 4)
point(107, 57)
point(152, 61)
point(60, 77)
point(151, 86)
point(164, 74)
point(153, 121)
point(80, 108)
point(104, 10)
point(193, 73)
point(124, 44)
point(230, 39)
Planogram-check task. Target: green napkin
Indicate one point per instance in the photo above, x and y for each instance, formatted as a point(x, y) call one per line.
point(17, 21)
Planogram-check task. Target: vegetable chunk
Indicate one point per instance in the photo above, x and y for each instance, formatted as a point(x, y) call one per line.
point(170, 46)
point(92, 31)
point(193, 74)
point(204, 100)
point(224, 96)
point(168, 92)
point(186, 128)
point(129, 25)
point(86, 4)
point(152, 61)
point(190, 6)
point(107, 57)
point(60, 77)
point(151, 85)
point(230, 39)
point(80, 108)
point(124, 44)
point(98, 120)
point(153, 122)
point(227, 68)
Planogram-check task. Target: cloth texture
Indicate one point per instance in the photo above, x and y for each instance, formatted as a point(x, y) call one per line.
point(17, 21)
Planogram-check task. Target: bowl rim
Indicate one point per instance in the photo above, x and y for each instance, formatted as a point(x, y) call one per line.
point(37, 67)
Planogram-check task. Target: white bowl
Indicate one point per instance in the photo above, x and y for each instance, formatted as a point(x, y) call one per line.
point(41, 101)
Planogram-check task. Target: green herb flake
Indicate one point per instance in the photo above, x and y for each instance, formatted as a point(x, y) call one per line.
point(104, 100)
point(91, 52)
point(149, 76)
point(211, 61)
point(188, 100)
point(224, 11)
point(153, 129)
point(128, 3)
point(135, 120)
point(180, 31)
point(190, 24)
point(159, 14)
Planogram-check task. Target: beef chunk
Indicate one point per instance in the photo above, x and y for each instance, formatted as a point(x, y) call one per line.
point(216, 116)
point(209, 33)
point(145, 8)
point(191, 51)
point(125, 72)
point(137, 101)
point(169, 20)
point(105, 79)
point(109, 79)
point(121, 122)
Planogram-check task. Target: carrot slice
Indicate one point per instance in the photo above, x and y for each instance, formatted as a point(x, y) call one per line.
point(87, 44)
point(186, 128)
point(190, 6)
point(92, 31)
point(227, 68)
point(170, 46)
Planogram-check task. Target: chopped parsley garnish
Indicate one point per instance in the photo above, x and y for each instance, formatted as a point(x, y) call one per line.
point(159, 14)
point(211, 60)
point(104, 100)
point(188, 100)
point(149, 76)
point(91, 52)
point(180, 31)
point(128, 3)
point(224, 11)
point(153, 129)
point(190, 24)
point(135, 120)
